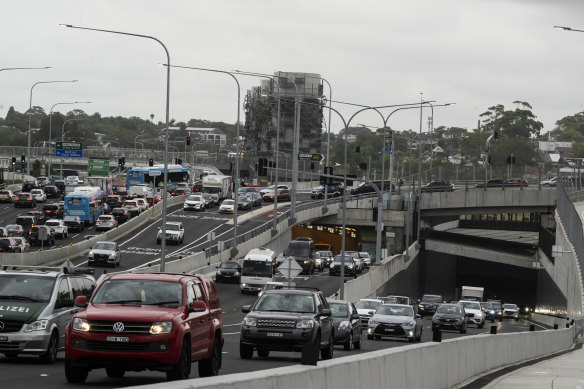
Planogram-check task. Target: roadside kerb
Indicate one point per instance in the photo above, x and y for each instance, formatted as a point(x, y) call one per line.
point(430, 365)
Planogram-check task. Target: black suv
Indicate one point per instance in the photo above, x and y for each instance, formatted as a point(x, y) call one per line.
point(74, 223)
point(438, 186)
point(29, 185)
point(367, 187)
point(35, 236)
point(52, 191)
point(27, 222)
point(287, 320)
point(429, 303)
point(334, 190)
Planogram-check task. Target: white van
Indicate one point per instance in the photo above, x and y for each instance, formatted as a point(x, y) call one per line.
point(140, 191)
point(257, 269)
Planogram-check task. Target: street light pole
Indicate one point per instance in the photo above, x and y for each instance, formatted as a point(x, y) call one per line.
point(164, 193)
point(30, 118)
point(236, 186)
point(51, 127)
point(63, 139)
point(45, 67)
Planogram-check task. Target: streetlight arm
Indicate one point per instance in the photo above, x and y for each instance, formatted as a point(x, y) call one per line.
point(45, 67)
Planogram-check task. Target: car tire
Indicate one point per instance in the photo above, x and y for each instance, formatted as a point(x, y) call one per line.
point(245, 350)
point(481, 325)
point(50, 356)
point(357, 344)
point(263, 353)
point(182, 369)
point(210, 367)
point(349, 345)
point(115, 372)
point(370, 337)
point(377, 337)
point(75, 375)
point(419, 338)
point(327, 352)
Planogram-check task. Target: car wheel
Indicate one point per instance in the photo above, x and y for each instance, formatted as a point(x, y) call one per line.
point(377, 337)
point(245, 351)
point(50, 356)
point(327, 353)
point(419, 338)
point(349, 345)
point(357, 344)
point(263, 353)
point(370, 337)
point(210, 367)
point(481, 325)
point(182, 369)
point(75, 375)
point(115, 372)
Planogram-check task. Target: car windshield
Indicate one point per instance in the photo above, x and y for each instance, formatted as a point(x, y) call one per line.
point(364, 254)
point(509, 306)
point(368, 304)
point(139, 292)
point(339, 310)
point(172, 227)
point(298, 249)
point(281, 302)
point(104, 218)
point(104, 246)
point(450, 308)
point(432, 299)
point(229, 265)
point(14, 227)
point(24, 220)
point(470, 305)
point(25, 287)
point(394, 310)
point(227, 202)
point(194, 198)
point(257, 268)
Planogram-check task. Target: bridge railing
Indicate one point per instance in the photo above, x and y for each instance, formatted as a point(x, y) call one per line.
point(571, 220)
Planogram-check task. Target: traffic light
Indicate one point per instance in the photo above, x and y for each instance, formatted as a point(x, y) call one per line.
point(13, 161)
point(357, 149)
point(120, 162)
point(179, 161)
point(311, 165)
point(22, 159)
point(263, 167)
point(188, 140)
point(327, 180)
point(123, 161)
point(150, 162)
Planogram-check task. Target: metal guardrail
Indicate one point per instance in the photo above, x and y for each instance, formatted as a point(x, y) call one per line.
point(571, 219)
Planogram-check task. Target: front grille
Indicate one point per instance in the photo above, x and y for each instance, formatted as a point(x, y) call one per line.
point(448, 320)
point(10, 346)
point(98, 326)
point(122, 346)
point(276, 323)
point(389, 329)
point(101, 257)
point(11, 326)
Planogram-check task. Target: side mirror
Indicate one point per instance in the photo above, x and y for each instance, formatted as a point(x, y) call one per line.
point(326, 312)
point(198, 306)
point(418, 316)
point(81, 301)
point(216, 267)
point(371, 312)
point(246, 308)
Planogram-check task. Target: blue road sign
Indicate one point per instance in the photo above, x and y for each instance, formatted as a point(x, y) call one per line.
point(69, 153)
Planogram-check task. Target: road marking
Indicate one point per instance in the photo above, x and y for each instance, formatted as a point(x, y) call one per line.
point(231, 333)
point(144, 229)
point(231, 325)
point(75, 236)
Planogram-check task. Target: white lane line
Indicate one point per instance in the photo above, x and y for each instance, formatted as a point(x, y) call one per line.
point(231, 325)
point(75, 236)
point(144, 229)
point(231, 333)
point(540, 326)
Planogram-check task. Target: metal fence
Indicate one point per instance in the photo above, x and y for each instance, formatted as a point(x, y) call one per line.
point(571, 220)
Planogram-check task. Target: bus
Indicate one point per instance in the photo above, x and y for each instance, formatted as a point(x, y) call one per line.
point(151, 174)
point(85, 202)
point(257, 269)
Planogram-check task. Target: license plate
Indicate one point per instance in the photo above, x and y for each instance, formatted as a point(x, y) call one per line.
point(275, 334)
point(117, 338)
point(3, 338)
point(389, 330)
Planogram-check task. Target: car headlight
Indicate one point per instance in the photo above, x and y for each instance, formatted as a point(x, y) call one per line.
point(479, 315)
point(350, 266)
point(409, 323)
point(332, 265)
point(91, 254)
point(306, 261)
point(39, 325)
point(305, 323)
point(373, 321)
point(344, 325)
point(219, 272)
point(81, 325)
point(161, 327)
point(249, 321)
point(421, 305)
point(236, 273)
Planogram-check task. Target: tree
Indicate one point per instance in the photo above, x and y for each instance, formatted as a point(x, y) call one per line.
point(520, 122)
point(570, 128)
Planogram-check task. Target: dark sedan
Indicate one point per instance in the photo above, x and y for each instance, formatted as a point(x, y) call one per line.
point(450, 317)
point(228, 271)
point(24, 199)
point(335, 266)
point(438, 186)
point(52, 191)
point(121, 214)
point(53, 211)
point(346, 324)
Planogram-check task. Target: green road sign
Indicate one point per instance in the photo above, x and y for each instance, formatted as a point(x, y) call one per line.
point(98, 167)
point(310, 157)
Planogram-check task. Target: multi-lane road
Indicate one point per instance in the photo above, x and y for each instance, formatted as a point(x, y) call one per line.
point(140, 248)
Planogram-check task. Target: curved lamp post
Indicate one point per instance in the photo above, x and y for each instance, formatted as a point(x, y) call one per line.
point(51, 126)
point(30, 117)
point(163, 241)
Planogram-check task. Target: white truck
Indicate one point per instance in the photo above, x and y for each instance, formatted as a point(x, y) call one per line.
point(474, 293)
point(218, 187)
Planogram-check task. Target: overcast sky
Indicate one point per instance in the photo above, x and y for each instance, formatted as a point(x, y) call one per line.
point(373, 52)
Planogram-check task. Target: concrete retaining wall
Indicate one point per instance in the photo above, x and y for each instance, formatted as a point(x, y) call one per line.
point(59, 255)
point(427, 365)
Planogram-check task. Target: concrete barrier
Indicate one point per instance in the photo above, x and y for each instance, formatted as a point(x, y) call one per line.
point(427, 365)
